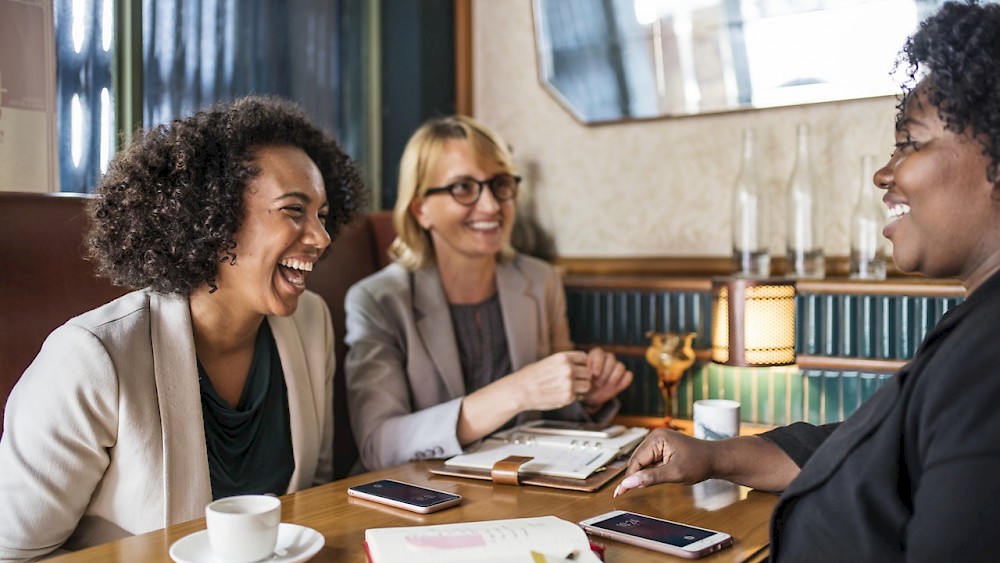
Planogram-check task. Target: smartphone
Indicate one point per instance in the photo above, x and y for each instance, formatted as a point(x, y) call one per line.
point(405, 496)
point(567, 428)
point(660, 535)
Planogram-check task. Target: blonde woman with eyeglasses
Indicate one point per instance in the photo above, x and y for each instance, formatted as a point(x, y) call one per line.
point(462, 336)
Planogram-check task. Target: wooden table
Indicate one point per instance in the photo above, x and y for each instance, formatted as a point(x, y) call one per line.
point(717, 505)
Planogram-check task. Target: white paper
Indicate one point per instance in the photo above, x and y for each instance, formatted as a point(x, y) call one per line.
point(493, 541)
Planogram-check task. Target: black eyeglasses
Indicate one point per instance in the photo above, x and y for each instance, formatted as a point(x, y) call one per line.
point(467, 190)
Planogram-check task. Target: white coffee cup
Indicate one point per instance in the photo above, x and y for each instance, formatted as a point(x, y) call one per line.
point(243, 528)
point(716, 419)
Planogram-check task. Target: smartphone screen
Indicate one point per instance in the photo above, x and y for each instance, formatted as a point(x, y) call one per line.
point(661, 531)
point(657, 534)
point(405, 495)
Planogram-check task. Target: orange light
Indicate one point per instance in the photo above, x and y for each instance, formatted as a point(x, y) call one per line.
point(753, 322)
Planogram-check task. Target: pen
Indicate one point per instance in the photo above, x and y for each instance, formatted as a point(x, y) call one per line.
point(539, 558)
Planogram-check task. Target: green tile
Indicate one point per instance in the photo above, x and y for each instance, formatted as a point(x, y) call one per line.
point(832, 406)
point(748, 384)
point(868, 384)
point(685, 392)
point(851, 392)
point(731, 385)
point(813, 397)
point(782, 399)
point(716, 382)
point(796, 384)
point(765, 401)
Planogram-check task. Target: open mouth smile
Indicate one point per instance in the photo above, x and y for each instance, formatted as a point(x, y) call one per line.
point(294, 271)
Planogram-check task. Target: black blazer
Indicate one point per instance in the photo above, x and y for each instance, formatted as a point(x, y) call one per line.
point(914, 474)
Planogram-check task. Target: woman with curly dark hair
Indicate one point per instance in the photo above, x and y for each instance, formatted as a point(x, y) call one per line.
point(215, 379)
point(914, 474)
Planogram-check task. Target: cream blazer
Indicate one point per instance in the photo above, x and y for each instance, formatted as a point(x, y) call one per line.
point(404, 381)
point(103, 433)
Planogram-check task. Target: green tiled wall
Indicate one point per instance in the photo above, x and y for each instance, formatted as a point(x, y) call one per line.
point(623, 317)
point(864, 326)
point(831, 396)
point(766, 395)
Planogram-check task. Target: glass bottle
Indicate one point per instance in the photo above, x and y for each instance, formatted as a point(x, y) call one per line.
point(751, 254)
point(867, 221)
point(804, 226)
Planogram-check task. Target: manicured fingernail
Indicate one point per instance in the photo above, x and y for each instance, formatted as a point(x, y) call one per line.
point(631, 482)
point(618, 491)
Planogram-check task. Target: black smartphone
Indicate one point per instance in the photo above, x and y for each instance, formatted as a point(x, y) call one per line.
point(566, 428)
point(657, 534)
point(405, 496)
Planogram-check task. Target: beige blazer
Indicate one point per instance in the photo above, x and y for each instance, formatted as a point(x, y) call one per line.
point(404, 381)
point(103, 433)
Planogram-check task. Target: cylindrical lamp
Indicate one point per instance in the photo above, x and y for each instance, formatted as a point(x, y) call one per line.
point(753, 322)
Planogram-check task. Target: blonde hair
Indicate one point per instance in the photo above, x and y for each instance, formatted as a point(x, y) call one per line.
point(412, 247)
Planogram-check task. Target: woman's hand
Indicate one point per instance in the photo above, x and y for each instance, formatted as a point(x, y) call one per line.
point(668, 456)
point(547, 384)
point(609, 378)
point(553, 382)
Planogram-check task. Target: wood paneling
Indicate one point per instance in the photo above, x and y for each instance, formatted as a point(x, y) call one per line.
point(463, 56)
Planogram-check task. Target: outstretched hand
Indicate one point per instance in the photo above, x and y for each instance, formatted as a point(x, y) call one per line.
point(667, 456)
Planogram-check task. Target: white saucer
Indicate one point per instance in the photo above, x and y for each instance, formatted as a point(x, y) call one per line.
point(295, 544)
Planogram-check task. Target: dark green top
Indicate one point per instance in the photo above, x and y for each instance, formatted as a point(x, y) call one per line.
point(250, 447)
point(482, 342)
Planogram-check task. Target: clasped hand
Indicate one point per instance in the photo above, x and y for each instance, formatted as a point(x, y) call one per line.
point(556, 381)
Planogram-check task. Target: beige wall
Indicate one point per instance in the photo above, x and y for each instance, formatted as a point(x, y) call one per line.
point(657, 188)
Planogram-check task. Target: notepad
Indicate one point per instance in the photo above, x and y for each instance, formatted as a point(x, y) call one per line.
point(552, 456)
point(515, 540)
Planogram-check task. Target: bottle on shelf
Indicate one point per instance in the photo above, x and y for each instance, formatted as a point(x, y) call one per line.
point(751, 255)
point(867, 243)
point(804, 227)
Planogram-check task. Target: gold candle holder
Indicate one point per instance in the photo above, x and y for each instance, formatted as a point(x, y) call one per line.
point(670, 354)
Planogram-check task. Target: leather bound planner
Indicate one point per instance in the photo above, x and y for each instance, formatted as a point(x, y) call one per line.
point(522, 456)
point(590, 484)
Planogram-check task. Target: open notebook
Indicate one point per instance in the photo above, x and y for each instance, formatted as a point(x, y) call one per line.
point(564, 457)
point(529, 540)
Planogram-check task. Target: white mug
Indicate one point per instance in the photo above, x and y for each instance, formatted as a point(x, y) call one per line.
point(716, 419)
point(243, 528)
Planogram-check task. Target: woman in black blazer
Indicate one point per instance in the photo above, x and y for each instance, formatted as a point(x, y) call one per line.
point(914, 474)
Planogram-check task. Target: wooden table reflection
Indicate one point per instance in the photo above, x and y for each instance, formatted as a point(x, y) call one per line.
point(718, 505)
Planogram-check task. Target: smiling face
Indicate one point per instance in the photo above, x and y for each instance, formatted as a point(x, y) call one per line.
point(461, 232)
point(943, 211)
point(281, 236)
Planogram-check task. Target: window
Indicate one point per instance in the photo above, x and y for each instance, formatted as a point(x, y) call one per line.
point(197, 52)
point(84, 98)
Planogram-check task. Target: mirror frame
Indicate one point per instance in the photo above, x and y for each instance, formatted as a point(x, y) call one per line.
point(920, 9)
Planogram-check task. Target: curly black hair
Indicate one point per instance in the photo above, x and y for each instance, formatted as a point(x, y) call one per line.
point(958, 49)
point(170, 204)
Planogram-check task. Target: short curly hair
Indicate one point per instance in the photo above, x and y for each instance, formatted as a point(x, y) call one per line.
point(958, 49)
point(170, 204)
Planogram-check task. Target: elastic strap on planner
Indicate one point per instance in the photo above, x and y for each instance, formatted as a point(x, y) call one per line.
point(505, 471)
